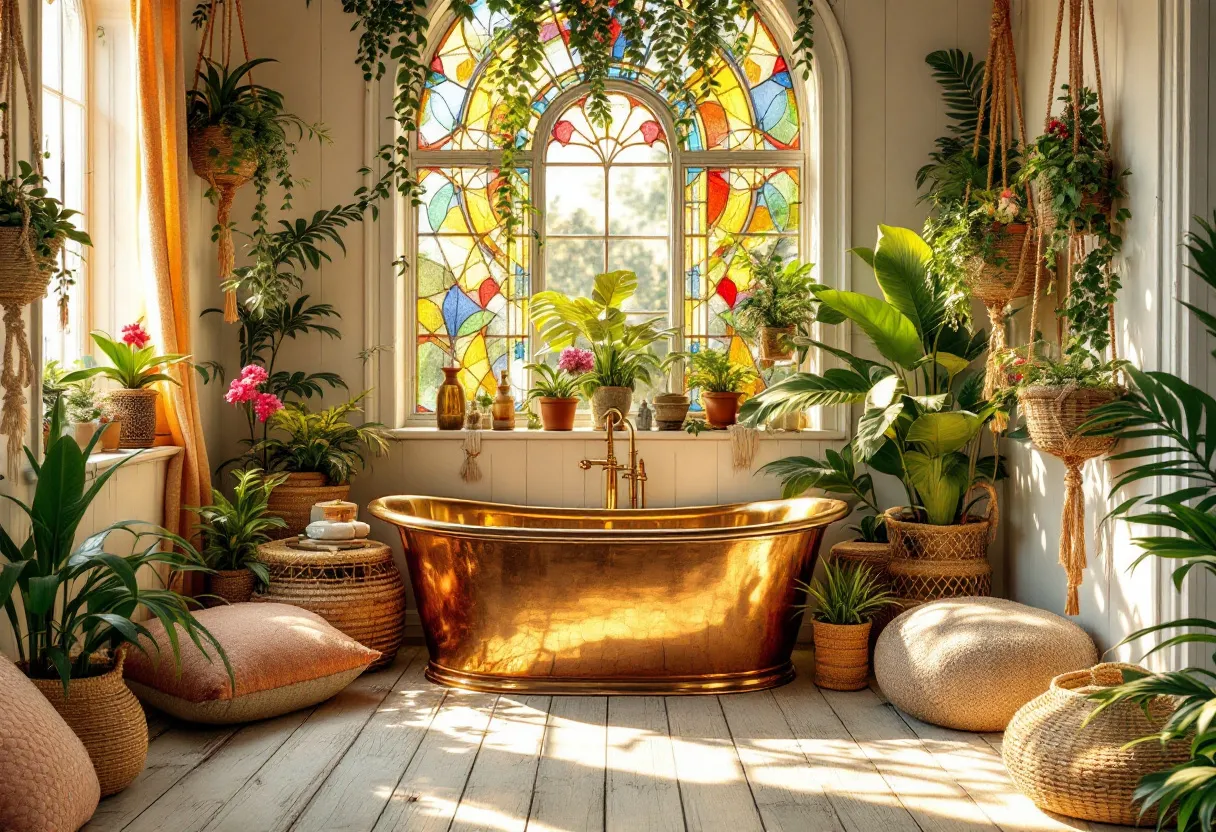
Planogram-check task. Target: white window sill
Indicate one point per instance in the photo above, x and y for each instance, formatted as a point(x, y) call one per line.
point(99, 462)
point(583, 433)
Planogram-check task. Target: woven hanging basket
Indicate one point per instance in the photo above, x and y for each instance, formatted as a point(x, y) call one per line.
point(234, 586)
point(1053, 415)
point(1008, 273)
point(1103, 202)
point(294, 499)
point(213, 158)
point(107, 718)
point(1087, 772)
point(23, 280)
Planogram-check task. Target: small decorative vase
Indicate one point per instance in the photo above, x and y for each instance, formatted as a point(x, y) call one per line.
point(110, 433)
point(721, 409)
point(233, 586)
point(109, 721)
point(558, 414)
point(135, 410)
point(670, 410)
point(294, 499)
point(842, 655)
point(472, 420)
point(449, 401)
point(609, 398)
point(83, 433)
point(775, 343)
point(645, 417)
point(504, 405)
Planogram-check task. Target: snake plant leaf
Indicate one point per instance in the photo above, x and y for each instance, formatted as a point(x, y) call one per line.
point(887, 327)
point(940, 482)
point(938, 434)
point(901, 266)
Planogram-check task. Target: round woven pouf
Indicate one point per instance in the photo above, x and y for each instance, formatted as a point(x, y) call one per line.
point(358, 591)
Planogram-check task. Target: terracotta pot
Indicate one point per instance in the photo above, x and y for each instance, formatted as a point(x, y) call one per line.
point(721, 409)
point(449, 402)
point(842, 655)
point(110, 434)
point(135, 410)
point(670, 409)
point(235, 586)
point(558, 414)
point(83, 432)
point(294, 499)
point(109, 721)
point(608, 398)
point(775, 344)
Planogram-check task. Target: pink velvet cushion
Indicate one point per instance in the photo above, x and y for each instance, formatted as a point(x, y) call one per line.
point(47, 783)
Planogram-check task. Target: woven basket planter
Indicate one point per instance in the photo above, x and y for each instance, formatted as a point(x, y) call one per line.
point(211, 157)
point(931, 562)
point(842, 655)
point(921, 581)
point(877, 558)
point(294, 499)
point(109, 721)
point(234, 586)
point(1087, 772)
point(1053, 415)
point(775, 343)
point(358, 591)
point(22, 280)
point(135, 411)
point(1008, 274)
point(1047, 215)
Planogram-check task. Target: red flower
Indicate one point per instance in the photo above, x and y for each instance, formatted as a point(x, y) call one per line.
point(1057, 128)
point(135, 335)
point(266, 405)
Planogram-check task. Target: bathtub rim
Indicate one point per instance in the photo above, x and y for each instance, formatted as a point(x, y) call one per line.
point(834, 511)
point(705, 684)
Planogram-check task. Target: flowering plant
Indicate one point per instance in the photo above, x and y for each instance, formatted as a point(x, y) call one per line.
point(562, 383)
point(576, 361)
point(133, 359)
point(244, 390)
point(1005, 209)
point(1035, 366)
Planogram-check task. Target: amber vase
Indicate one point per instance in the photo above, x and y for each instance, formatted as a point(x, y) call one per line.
point(449, 401)
point(503, 410)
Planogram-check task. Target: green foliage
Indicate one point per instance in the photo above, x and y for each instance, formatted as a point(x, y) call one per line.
point(838, 474)
point(83, 403)
point(848, 593)
point(780, 295)
point(77, 601)
point(233, 529)
point(132, 367)
point(1076, 367)
point(712, 371)
point(551, 383)
point(324, 442)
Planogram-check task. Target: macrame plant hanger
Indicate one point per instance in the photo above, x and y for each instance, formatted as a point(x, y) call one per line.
point(222, 172)
point(1071, 448)
point(24, 276)
point(995, 285)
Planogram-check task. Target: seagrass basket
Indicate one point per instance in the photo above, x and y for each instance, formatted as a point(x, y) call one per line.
point(1103, 202)
point(1008, 274)
point(842, 655)
point(22, 280)
point(234, 586)
point(930, 562)
point(920, 581)
point(1053, 415)
point(107, 718)
point(294, 499)
point(1087, 772)
point(212, 158)
point(358, 591)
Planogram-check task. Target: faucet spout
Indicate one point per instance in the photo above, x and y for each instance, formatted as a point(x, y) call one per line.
point(634, 472)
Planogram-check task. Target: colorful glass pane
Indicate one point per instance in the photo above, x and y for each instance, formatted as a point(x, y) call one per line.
point(472, 288)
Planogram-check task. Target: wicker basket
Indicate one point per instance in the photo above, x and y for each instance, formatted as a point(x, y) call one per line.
point(109, 721)
point(877, 558)
point(1047, 215)
point(919, 581)
point(1087, 772)
point(1053, 415)
point(135, 411)
point(358, 591)
point(842, 655)
point(1009, 273)
point(233, 586)
point(294, 499)
point(22, 280)
point(218, 167)
point(925, 541)
point(775, 344)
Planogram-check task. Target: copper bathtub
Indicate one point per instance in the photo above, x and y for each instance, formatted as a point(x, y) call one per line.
point(550, 600)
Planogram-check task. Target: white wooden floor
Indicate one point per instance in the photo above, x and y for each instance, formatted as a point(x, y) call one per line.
point(394, 752)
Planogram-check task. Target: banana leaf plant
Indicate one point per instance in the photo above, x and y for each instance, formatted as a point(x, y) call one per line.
point(66, 603)
point(923, 415)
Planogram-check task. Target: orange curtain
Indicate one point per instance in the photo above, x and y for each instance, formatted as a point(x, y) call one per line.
point(162, 115)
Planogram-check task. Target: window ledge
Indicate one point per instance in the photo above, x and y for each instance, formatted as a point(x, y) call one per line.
point(583, 433)
point(100, 462)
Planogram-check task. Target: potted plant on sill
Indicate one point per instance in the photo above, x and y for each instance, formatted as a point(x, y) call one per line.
point(722, 384)
point(83, 411)
point(780, 298)
point(556, 390)
point(136, 366)
point(72, 607)
point(623, 353)
point(232, 530)
point(847, 598)
point(319, 453)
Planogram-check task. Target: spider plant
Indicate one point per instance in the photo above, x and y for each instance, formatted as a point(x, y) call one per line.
point(848, 593)
point(233, 529)
point(324, 442)
point(712, 371)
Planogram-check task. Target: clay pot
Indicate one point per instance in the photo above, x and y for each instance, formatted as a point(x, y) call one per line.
point(608, 398)
point(670, 410)
point(83, 432)
point(235, 586)
point(110, 433)
point(775, 343)
point(294, 499)
point(449, 402)
point(135, 410)
point(558, 414)
point(842, 655)
point(721, 409)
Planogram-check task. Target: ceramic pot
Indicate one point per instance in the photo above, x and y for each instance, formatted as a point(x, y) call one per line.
point(607, 398)
point(110, 433)
point(83, 432)
point(842, 655)
point(109, 721)
point(558, 414)
point(775, 343)
point(670, 410)
point(294, 499)
point(234, 586)
point(449, 402)
point(721, 409)
point(135, 410)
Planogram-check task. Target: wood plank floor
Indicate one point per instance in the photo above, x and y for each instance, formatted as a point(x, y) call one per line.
point(394, 752)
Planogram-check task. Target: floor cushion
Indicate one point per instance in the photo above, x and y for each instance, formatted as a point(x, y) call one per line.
point(284, 658)
point(47, 783)
point(970, 663)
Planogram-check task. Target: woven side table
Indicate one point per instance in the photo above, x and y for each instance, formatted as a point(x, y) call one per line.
point(358, 591)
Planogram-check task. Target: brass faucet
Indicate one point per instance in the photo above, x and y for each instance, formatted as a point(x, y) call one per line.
point(635, 471)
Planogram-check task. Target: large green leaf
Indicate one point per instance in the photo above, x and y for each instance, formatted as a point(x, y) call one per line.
point(612, 289)
point(940, 483)
point(901, 266)
point(803, 390)
point(884, 404)
point(942, 433)
point(891, 332)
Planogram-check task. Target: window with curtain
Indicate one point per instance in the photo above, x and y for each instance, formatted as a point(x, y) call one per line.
point(674, 200)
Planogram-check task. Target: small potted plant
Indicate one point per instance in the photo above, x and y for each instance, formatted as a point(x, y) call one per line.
point(319, 453)
point(846, 599)
point(781, 297)
point(556, 390)
point(78, 605)
point(135, 365)
point(232, 530)
point(83, 411)
point(722, 384)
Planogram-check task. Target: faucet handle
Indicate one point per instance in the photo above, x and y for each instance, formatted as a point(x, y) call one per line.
point(585, 464)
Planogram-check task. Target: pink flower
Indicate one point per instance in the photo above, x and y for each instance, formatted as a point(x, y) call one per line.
point(244, 388)
point(135, 335)
point(575, 361)
point(255, 374)
point(266, 405)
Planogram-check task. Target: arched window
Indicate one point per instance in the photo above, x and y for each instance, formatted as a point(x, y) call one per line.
point(669, 195)
point(65, 141)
